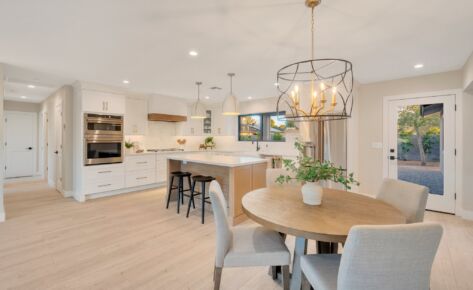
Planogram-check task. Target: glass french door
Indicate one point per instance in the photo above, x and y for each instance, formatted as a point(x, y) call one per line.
point(421, 146)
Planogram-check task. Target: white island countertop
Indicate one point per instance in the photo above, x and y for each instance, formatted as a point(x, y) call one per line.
point(218, 160)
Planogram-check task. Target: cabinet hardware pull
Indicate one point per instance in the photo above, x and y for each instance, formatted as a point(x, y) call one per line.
point(142, 162)
point(144, 177)
point(106, 171)
point(104, 185)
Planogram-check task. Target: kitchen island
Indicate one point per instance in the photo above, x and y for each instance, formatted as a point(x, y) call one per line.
point(237, 175)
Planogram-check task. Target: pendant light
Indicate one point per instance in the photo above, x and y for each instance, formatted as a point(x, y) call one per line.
point(230, 104)
point(198, 110)
point(315, 89)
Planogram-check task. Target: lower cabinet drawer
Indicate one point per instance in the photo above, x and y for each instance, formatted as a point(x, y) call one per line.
point(103, 185)
point(138, 178)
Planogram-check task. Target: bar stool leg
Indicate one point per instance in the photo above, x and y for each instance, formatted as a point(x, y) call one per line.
point(170, 191)
point(202, 185)
point(180, 193)
point(191, 200)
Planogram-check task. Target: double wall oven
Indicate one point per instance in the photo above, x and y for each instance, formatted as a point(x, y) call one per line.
point(103, 139)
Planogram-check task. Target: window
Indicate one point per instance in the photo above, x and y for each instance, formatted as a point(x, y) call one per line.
point(262, 127)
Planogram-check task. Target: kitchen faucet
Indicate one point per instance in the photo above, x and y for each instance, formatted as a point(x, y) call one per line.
point(257, 144)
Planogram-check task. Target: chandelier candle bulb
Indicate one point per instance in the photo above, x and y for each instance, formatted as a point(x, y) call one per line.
point(334, 94)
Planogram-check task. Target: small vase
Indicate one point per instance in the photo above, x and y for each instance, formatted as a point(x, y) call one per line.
point(312, 193)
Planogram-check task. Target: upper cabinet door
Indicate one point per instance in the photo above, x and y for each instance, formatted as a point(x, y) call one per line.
point(101, 102)
point(136, 117)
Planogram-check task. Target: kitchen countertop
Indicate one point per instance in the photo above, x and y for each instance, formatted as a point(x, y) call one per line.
point(218, 160)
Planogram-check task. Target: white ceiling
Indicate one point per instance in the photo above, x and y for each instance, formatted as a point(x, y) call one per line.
point(147, 41)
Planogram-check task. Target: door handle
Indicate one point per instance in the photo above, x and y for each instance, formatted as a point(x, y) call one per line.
point(56, 152)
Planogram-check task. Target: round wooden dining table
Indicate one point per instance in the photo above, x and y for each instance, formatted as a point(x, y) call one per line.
point(281, 208)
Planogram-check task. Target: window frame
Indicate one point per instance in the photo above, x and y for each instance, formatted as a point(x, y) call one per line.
point(263, 127)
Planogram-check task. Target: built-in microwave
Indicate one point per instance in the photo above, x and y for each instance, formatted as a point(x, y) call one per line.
point(96, 124)
point(100, 149)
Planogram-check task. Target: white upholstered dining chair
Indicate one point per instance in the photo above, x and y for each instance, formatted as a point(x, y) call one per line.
point(409, 198)
point(391, 257)
point(244, 246)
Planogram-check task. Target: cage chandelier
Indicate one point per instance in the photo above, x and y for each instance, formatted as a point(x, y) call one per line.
point(315, 89)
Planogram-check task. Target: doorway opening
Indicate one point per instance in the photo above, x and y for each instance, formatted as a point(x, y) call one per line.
point(420, 146)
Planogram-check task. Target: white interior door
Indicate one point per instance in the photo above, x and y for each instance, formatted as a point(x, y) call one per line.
point(20, 144)
point(58, 126)
point(421, 146)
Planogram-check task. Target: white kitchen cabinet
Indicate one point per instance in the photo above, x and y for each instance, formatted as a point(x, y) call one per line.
point(192, 127)
point(102, 102)
point(139, 178)
point(102, 178)
point(140, 169)
point(136, 117)
point(223, 125)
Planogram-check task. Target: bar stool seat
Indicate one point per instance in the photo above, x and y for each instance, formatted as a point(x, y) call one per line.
point(203, 180)
point(180, 175)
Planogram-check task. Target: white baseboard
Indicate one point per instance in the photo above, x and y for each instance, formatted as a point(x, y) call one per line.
point(68, 193)
point(125, 190)
point(466, 214)
point(2, 217)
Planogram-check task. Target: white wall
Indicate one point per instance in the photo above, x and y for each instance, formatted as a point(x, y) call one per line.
point(2, 149)
point(468, 74)
point(63, 95)
point(370, 112)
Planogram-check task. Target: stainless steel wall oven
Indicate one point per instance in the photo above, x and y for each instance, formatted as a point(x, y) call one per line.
point(103, 139)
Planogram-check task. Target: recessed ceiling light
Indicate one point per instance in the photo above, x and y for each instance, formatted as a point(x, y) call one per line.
point(250, 97)
point(207, 97)
point(31, 86)
point(126, 82)
point(23, 97)
point(419, 66)
point(193, 53)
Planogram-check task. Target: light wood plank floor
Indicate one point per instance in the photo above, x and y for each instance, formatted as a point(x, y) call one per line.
point(132, 242)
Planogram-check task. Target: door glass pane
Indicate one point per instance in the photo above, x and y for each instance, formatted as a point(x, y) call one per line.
point(420, 146)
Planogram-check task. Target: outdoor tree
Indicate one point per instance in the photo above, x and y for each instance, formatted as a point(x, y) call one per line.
point(425, 129)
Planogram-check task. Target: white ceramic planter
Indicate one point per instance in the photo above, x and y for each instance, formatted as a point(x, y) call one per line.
point(312, 193)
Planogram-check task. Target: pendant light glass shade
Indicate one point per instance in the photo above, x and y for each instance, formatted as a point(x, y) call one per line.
point(230, 104)
point(198, 110)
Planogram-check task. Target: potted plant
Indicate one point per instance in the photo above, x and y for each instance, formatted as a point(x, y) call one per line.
point(129, 146)
point(209, 142)
point(311, 173)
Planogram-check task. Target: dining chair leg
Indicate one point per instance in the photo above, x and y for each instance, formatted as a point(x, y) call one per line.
point(305, 283)
point(300, 249)
point(274, 272)
point(285, 277)
point(217, 277)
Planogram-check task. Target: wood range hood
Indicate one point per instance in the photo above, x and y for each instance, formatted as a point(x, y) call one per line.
point(166, 118)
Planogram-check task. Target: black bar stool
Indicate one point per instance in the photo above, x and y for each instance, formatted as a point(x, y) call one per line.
point(203, 180)
point(180, 187)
